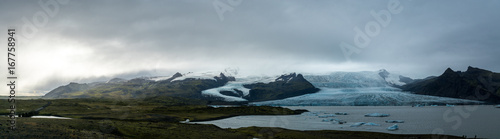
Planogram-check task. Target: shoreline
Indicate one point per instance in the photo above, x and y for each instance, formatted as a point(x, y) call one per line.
point(418, 120)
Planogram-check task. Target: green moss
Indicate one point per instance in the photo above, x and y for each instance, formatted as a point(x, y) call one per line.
point(22, 105)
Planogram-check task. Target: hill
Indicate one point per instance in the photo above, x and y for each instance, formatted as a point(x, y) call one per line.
point(473, 84)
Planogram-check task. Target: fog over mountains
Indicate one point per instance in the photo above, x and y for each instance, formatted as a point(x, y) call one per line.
point(159, 38)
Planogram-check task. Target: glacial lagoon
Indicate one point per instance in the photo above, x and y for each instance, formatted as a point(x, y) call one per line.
point(469, 120)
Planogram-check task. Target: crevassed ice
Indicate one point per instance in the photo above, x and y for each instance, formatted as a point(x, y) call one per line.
point(374, 96)
point(238, 84)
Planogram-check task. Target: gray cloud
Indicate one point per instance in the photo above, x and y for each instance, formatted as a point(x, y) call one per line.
point(97, 40)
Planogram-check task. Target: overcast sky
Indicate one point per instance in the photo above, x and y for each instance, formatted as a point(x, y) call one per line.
point(84, 41)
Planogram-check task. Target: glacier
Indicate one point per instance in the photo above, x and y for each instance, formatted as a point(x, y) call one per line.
point(232, 86)
point(371, 96)
point(366, 88)
point(198, 75)
point(347, 80)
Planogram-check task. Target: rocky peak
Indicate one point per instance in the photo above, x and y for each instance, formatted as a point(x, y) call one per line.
point(474, 70)
point(116, 80)
point(383, 73)
point(449, 72)
point(223, 78)
point(286, 77)
point(177, 74)
point(405, 79)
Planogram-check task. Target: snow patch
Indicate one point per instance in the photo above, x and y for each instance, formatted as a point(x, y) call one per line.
point(394, 79)
point(394, 121)
point(195, 75)
point(160, 78)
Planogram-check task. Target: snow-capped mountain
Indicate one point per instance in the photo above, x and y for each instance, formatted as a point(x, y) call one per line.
point(236, 90)
point(265, 88)
point(337, 88)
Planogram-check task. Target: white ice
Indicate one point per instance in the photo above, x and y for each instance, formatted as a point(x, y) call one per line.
point(376, 115)
point(372, 96)
point(358, 124)
point(393, 127)
point(372, 124)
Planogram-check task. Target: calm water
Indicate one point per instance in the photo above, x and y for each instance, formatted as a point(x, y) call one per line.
point(482, 121)
point(50, 117)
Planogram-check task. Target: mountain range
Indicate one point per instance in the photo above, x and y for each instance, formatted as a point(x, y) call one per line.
point(337, 88)
point(366, 88)
point(205, 86)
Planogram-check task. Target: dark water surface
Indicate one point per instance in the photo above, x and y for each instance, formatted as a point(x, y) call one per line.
point(483, 121)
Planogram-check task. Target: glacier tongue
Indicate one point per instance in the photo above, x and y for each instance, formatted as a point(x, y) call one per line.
point(367, 88)
point(232, 86)
point(371, 96)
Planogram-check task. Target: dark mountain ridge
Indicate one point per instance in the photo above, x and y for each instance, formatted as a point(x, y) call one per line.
point(284, 86)
point(474, 84)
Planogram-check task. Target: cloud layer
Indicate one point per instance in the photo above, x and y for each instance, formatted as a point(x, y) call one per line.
point(96, 40)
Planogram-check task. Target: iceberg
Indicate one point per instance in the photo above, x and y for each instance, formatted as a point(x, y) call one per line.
point(419, 105)
point(372, 96)
point(334, 121)
point(372, 124)
point(394, 121)
point(310, 114)
point(393, 127)
point(376, 115)
point(358, 124)
point(337, 121)
point(341, 113)
point(327, 120)
point(326, 116)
